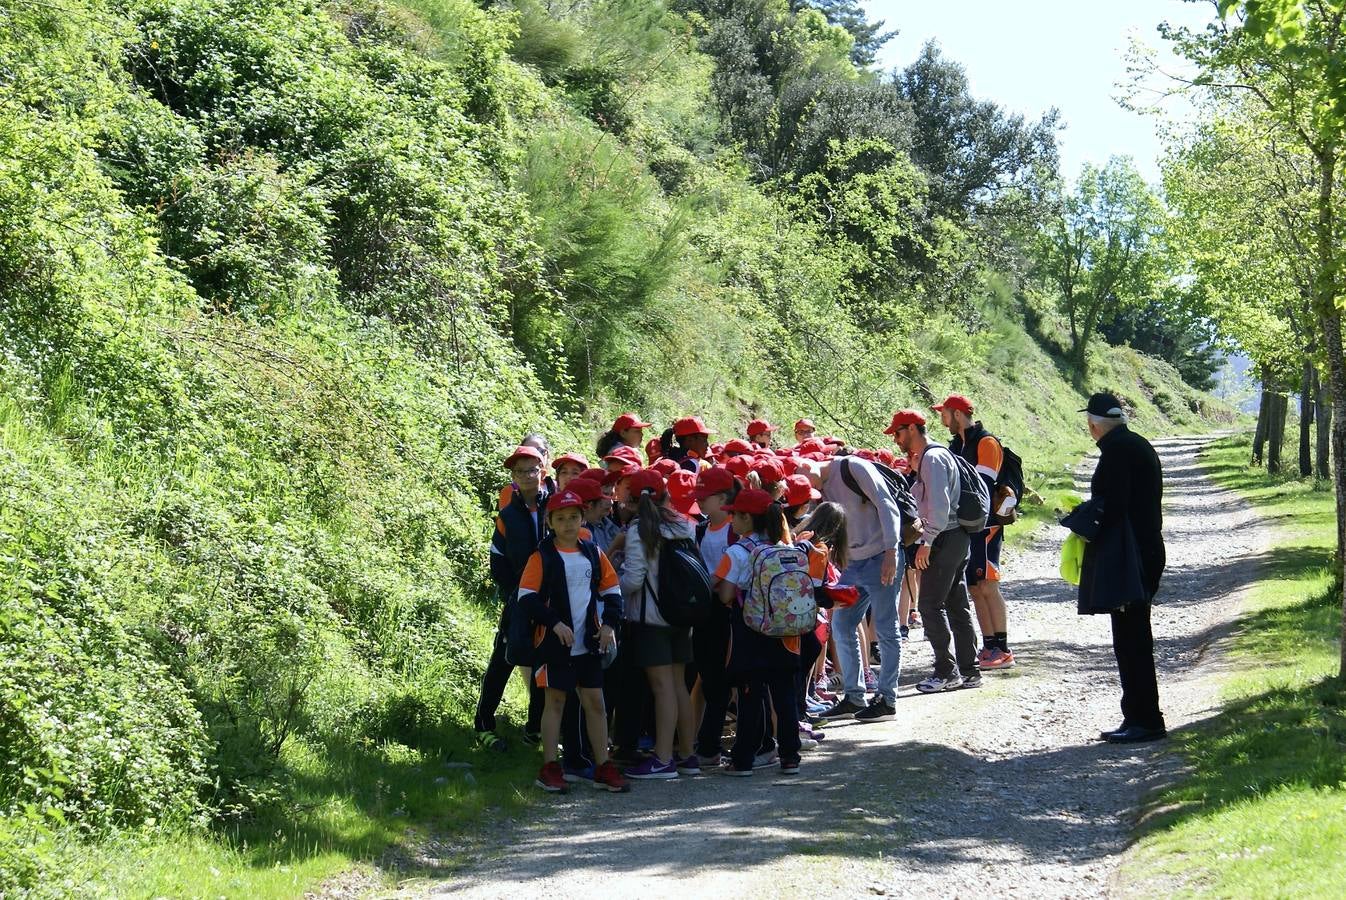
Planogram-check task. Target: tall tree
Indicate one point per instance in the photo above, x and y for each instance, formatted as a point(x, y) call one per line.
point(1102, 251)
point(868, 37)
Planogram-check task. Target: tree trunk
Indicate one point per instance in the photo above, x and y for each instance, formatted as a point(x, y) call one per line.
point(1305, 420)
point(1322, 415)
point(1276, 432)
point(1263, 416)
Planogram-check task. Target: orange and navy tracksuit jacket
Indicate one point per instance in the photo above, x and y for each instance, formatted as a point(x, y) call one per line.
point(518, 529)
point(982, 449)
point(545, 597)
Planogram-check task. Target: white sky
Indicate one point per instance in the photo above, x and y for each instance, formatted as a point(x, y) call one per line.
point(1031, 55)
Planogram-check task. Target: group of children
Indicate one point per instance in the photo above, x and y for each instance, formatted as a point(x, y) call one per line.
point(620, 688)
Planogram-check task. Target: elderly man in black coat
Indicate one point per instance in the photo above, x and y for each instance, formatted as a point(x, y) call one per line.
point(1127, 489)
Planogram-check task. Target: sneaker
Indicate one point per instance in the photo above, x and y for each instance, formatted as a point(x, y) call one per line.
point(573, 775)
point(709, 762)
point(789, 766)
point(487, 740)
point(913, 619)
point(934, 684)
point(624, 756)
point(532, 738)
point(607, 778)
point(653, 770)
point(842, 709)
point(871, 682)
point(687, 765)
point(551, 779)
point(807, 743)
point(905, 633)
point(999, 659)
point(984, 654)
point(879, 710)
point(736, 773)
point(874, 653)
point(762, 760)
point(807, 730)
point(972, 681)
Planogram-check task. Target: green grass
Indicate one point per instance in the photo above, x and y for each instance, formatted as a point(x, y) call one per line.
point(1262, 810)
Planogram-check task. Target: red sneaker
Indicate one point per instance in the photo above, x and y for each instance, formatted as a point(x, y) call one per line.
point(998, 659)
point(607, 778)
point(552, 779)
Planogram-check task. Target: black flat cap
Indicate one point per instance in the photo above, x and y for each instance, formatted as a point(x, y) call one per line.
point(1105, 405)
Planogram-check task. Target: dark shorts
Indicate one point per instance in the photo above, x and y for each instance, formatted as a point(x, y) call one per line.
point(656, 645)
point(983, 558)
point(570, 672)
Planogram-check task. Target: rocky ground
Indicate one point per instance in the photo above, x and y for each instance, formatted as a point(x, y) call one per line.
point(1003, 790)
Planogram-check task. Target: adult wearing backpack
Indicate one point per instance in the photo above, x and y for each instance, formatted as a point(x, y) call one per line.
point(874, 528)
point(983, 450)
point(941, 556)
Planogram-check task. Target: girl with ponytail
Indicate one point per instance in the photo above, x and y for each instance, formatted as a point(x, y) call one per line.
point(661, 649)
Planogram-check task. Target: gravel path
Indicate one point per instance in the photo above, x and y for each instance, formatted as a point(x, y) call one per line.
point(1005, 784)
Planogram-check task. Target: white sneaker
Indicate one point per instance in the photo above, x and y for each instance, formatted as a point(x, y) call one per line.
point(934, 684)
point(807, 743)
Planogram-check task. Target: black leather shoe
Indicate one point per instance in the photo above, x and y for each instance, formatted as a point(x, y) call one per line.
point(1136, 734)
point(1107, 735)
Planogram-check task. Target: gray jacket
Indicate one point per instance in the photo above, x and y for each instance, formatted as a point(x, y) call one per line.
point(873, 522)
point(935, 491)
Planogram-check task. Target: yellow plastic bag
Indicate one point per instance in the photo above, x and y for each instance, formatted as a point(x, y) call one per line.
point(1072, 558)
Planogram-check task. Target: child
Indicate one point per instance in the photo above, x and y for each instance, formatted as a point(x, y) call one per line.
point(539, 443)
point(693, 444)
point(562, 588)
point(710, 642)
point(804, 430)
point(765, 667)
point(628, 430)
point(663, 650)
point(597, 511)
point(567, 467)
point(759, 432)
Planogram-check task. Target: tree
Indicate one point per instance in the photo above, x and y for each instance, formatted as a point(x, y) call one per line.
point(1101, 252)
point(868, 37)
point(1289, 56)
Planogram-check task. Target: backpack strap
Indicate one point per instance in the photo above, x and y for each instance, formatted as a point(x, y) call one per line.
point(849, 478)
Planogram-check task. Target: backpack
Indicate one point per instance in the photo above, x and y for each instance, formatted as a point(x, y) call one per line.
point(1009, 481)
point(684, 597)
point(974, 498)
point(780, 600)
point(897, 488)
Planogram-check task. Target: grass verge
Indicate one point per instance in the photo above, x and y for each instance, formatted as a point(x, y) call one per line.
point(1262, 809)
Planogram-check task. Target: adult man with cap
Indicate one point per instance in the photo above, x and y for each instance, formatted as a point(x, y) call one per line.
point(941, 557)
point(1129, 483)
point(874, 530)
point(983, 451)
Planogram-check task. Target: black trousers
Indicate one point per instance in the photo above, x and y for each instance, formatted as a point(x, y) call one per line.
point(753, 718)
point(945, 608)
point(710, 643)
point(810, 648)
point(1133, 645)
point(496, 679)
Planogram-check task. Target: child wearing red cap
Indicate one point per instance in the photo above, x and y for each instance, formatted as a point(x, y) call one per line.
point(661, 649)
point(804, 429)
point(759, 432)
point(628, 430)
point(570, 592)
point(539, 443)
point(688, 442)
point(567, 466)
point(715, 488)
point(764, 667)
point(519, 526)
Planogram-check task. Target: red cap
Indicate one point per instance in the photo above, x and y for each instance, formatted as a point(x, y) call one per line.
point(715, 480)
point(806, 424)
point(799, 490)
point(564, 500)
point(904, 417)
point(653, 449)
point(886, 456)
point(815, 457)
point(865, 454)
point(598, 476)
point(737, 447)
point(760, 426)
point(690, 425)
point(623, 454)
point(789, 464)
point(716, 449)
point(682, 492)
point(739, 465)
point(812, 445)
point(521, 451)
point(751, 501)
point(665, 467)
point(954, 401)
point(900, 463)
point(628, 420)
point(587, 488)
point(648, 480)
point(834, 441)
point(769, 470)
point(575, 458)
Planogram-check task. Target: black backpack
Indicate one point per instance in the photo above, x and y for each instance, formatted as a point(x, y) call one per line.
point(1012, 477)
point(974, 498)
point(897, 487)
point(684, 597)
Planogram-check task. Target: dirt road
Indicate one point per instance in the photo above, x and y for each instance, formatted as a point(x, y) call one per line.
point(1003, 786)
